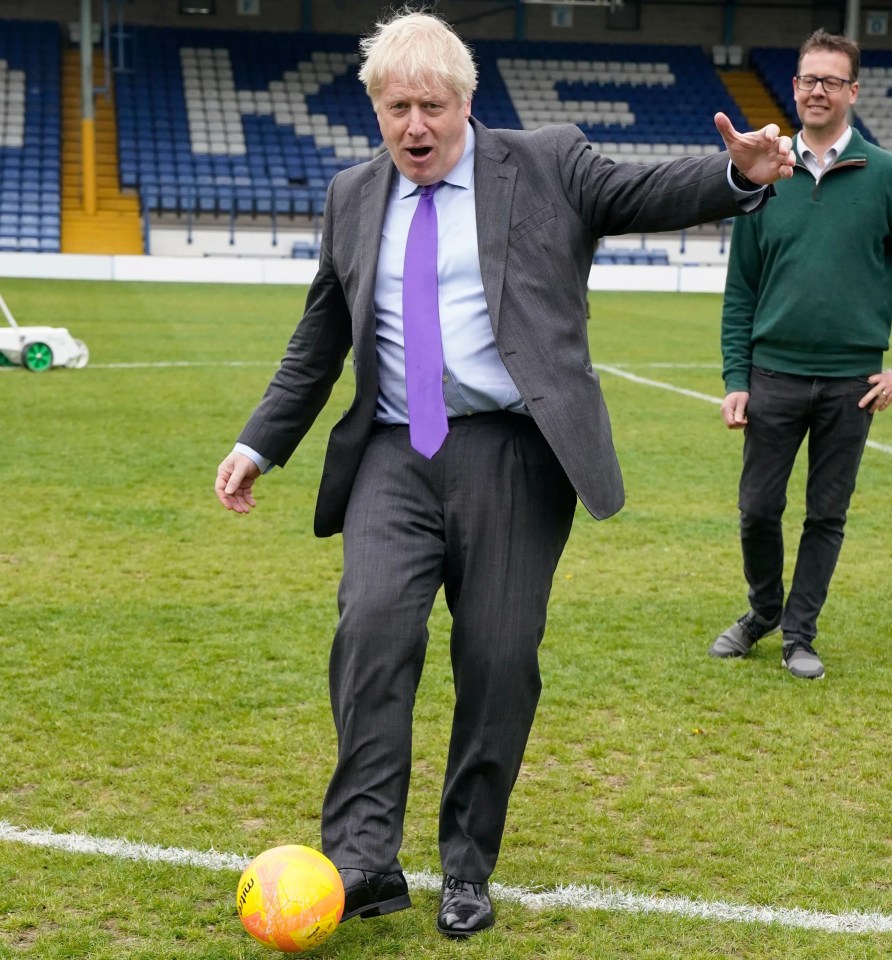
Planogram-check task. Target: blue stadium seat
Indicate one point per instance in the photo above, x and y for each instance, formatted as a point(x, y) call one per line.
point(304, 250)
point(207, 200)
point(29, 163)
point(263, 147)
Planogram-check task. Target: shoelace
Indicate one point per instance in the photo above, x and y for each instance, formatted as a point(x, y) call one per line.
point(461, 886)
point(752, 626)
point(803, 645)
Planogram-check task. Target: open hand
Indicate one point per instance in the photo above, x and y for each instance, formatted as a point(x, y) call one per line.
point(762, 156)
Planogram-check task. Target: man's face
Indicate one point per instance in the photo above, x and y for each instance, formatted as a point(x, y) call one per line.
point(825, 113)
point(423, 130)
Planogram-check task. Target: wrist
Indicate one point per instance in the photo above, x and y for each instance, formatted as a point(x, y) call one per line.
point(742, 182)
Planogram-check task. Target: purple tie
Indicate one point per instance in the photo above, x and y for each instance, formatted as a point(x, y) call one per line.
point(421, 330)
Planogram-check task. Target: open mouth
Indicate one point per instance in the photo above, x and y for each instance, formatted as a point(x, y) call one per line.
point(419, 153)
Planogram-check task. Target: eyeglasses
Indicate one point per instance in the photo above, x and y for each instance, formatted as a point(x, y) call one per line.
point(830, 84)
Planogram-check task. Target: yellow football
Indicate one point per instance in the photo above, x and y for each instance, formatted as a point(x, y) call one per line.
point(290, 898)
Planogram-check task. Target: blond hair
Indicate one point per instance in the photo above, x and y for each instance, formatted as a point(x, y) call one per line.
point(419, 50)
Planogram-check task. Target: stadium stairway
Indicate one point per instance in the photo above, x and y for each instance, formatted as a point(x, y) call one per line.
point(115, 228)
point(755, 101)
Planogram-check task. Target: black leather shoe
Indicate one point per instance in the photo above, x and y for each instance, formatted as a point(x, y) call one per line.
point(465, 908)
point(372, 894)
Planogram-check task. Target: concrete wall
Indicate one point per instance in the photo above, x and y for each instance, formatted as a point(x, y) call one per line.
point(672, 279)
point(694, 247)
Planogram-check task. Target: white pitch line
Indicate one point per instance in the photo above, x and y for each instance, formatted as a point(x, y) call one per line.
point(644, 381)
point(657, 383)
point(122, 849)
point(581, 897)
point(661, 365)
point(163, 364)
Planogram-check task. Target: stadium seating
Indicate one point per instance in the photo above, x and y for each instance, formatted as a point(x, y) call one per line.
point(305, 250)
point(29, 137)
point(237, 124)
point(634, 102)
point(637, 256)
point(256, 124)
point(873, 110)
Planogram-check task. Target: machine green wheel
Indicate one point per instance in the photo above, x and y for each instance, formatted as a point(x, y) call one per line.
point(37, 357)
point(4, 360)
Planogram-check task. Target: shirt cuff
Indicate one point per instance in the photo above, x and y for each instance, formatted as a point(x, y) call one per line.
point(748, 194)
point(262, 462)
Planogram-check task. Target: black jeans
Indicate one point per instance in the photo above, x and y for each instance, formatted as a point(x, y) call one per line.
point(782, 409)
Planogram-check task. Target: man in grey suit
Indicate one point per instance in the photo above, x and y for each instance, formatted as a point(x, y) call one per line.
point(483, 504)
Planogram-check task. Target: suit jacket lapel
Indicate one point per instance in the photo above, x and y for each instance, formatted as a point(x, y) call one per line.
point(494, 189)
point(373, 206)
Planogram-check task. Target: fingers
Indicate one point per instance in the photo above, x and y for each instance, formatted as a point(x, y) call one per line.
point(734, 410)
point(787, 156)
point(725, 128)
point(783, 146)
point(239, 500)
point(879, 397)
point(234, 483)
point(236, 478)
point(762, 156)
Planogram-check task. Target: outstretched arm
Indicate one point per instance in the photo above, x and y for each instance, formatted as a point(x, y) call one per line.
point(762, 156)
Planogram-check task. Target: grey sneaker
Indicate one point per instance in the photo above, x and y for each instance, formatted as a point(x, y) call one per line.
point(802, 660)
point(738, 639)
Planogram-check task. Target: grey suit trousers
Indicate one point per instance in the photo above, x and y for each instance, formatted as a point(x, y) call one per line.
point(488, 518)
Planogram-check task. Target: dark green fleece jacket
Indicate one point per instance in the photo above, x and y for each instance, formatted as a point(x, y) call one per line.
point(809, 287)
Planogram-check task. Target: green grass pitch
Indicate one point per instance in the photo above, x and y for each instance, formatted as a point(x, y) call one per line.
point(163, 667)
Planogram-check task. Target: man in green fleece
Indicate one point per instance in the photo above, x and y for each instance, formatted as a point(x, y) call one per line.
point(806, 319)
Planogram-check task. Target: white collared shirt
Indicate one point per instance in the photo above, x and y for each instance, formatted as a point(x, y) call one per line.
point(831, 154)
point(474, 378)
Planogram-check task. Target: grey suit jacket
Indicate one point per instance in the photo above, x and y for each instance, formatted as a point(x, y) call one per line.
point(543, 199)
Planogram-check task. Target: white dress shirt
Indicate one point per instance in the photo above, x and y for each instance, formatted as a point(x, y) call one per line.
point(831, 154)
point(474, 378)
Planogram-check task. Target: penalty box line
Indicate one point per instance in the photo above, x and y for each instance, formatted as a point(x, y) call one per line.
point(694, 394)
point(574, 897)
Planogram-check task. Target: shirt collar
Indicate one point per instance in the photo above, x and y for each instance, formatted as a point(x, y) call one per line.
point(461, 175)
point(831, 153)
